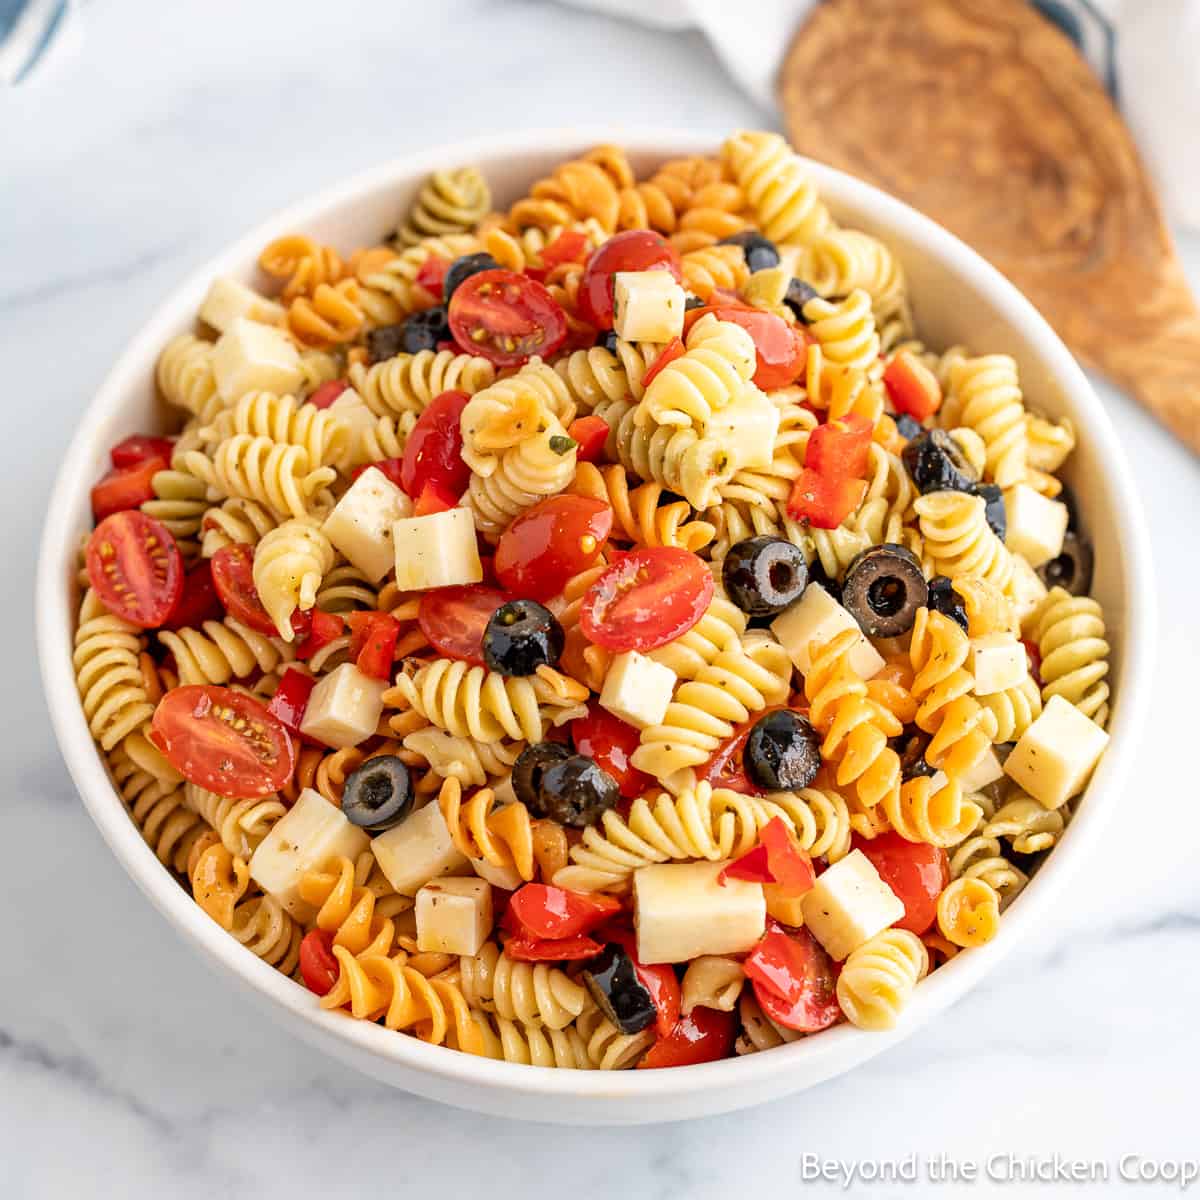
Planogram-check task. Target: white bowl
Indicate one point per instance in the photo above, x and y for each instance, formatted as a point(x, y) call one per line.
point(958, 298)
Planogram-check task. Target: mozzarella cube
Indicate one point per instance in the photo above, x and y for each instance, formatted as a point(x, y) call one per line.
point(648, 306)
point(986, 771)
point(438, 550)
point(637, 689)
point(344, 708)
point(352, 409)
point(309, 833)
point(228, 299)
point(360, 525)
point(1036, 526)
point(1057, 753)
point(417, 850)
point(454, 916)
point(850, 904)
point(250, 356)
point(1027, 591)
point(681, 912)
point(747, 428)
point(818, 617)
point(998, 661)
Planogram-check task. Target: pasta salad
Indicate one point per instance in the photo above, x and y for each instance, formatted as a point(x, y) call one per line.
point(597, 633)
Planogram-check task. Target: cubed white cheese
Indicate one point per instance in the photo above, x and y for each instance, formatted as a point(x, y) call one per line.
point(818, 617)
point(747, 428)
point(454, 916)
point(986, 771)
point(344, 708)
point(360, 525)
point(438, 550)
point(1056, 754)
point(637, 689)
point(648, 306)
point(1026, 590)
point(309, 833)
point(997, 661)
point(681, 912)
point(849, 904)
point(250, 356)
point(417, 850)
point(352, 409)
point(228, 299)
point(1036, 526)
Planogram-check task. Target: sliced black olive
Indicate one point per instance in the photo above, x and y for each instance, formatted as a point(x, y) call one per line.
point(937, 464)
point(463, 268)
point(994, 510)
point(692, 302)
point(527, 770)
point(883, 589)
point(379, 794)
point(426, 329)
point(624, 999)
point(763, 575)
point(783, 752)
point(1073, 568)
point(608, 339)
point(798, 295)
point(385, 342)
point(760, 252)
point(911, 747)
point(521, 636)
point(575, 791)
point(908, 427)
point(945, 600)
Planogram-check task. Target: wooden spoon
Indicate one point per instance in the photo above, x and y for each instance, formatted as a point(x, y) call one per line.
point(982, 114)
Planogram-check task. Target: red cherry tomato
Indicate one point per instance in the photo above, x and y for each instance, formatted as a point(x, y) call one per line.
point(781, 349)
point(506, 317)
point(703, 1035)
point(233, 576)
point(198, 602)
point(727, 768)
point(633, 250)
point(223, 740)
point(549, 543)
point(454, 619)
point(373, 637)
point(314, 630)
point(840, 449)
point(915, 871)
point(572, 949)
point(793, 980)
point(328, 392)
point(553, 913)
point(431, 275)
point(135, 567)
point(569, 246)
point(392, 469)
point(433, 499)
point(139, 448)
point(754, 867)
point(824, 502)
point(125, 488)
point(668, 354)
point(290, 701)
point(718, 300)
point(433, 452)
point(590, 435)
point(912, 386)
point(646, 599)
point(610, 742)
point(318, 967)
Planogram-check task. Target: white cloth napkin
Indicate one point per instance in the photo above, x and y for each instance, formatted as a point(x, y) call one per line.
point(1147, 52)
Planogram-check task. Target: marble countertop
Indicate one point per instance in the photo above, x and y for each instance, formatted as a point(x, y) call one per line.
point(126, 1067)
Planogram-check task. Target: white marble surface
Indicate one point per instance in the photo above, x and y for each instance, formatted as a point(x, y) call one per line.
point(126, 1068)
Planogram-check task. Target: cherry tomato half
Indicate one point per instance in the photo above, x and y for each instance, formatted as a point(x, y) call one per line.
point(506, 317)
point(793, 980)
point(646, 599)
point(433, 452)
point(703, 1035)
point(610, 742)
point(223, 740)
point(549, 543)
point(139, 448)
point(318, 967)
point(373, 637)
point(781, 349)
point(135, 567)
point(198, 602)
point(454, 619)
point(549, 912)
point(233, 576)
point(633, 250)
point(125, 488)
point(569, 246)
point(915, 871)
point(527, 949)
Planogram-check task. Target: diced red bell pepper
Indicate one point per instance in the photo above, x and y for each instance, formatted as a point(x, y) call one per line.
point(912, 386)
point(315, 629)
point(668, 354)
point(529, 949)
point(431, 275)
point(290, 701)
point(823, 502)
point(553, 913)
point(840, 449)
point(754, 867)
point(590, 434)
point(139, 448)
point(791, 869)
point(373, 637)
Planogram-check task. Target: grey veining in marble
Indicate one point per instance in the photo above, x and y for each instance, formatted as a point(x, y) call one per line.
point(128, 1069)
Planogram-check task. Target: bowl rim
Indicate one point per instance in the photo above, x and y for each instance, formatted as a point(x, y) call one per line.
point(809, 1059)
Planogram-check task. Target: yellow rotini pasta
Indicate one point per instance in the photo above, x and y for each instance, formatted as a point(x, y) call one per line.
point(535, 994)
point(449, 202)
point(968, 912)
point(289, 564)
point(406, 383)
point(878, 978)
point(1071, 638)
